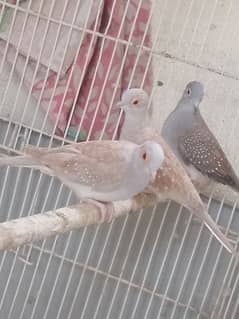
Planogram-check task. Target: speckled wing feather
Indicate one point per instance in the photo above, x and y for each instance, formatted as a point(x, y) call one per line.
point(77, 163)
point(200, 148)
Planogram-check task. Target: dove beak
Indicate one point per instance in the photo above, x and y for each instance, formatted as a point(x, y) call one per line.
point(120, 105)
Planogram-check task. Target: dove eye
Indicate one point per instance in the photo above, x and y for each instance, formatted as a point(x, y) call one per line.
point(135, 102)
point(144, 156)
point(188, 92)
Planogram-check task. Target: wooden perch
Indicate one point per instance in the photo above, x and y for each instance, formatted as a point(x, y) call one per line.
point(25, 230)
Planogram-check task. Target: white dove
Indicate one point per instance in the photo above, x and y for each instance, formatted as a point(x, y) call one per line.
point(103, 171)
point(172, 181)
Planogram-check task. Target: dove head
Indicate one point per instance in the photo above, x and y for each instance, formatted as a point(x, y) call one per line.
point(134, 100)
point(192, 95)
point(150, 156)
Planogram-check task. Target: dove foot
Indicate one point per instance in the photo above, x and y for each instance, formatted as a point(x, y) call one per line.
point(106, 209)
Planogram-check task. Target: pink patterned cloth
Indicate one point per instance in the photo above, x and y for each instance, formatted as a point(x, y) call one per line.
point(102, 69)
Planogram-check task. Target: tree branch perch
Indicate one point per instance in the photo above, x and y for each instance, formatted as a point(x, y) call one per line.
point(25, 230)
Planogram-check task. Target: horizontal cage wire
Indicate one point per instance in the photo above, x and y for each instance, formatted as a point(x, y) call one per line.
point(64, 65)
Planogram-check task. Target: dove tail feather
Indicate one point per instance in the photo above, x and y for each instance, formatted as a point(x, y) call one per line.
point(212, 226)
point(17, 161)
point(20, 161)
point(236, 184)
point(214, 229)
point(25, 161)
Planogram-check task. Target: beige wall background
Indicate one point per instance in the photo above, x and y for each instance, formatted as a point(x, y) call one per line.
point(199, 40)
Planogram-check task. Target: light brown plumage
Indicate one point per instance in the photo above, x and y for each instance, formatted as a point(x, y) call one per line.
point(97, 170)
point(172, 182)
point(78, 163)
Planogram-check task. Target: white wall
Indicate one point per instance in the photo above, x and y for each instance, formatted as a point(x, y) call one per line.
point(203, 41)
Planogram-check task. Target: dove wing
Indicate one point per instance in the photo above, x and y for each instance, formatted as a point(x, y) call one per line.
point(200, 148)
point(100, 165)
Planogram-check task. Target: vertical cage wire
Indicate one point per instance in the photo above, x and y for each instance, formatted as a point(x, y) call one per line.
point(140, 266)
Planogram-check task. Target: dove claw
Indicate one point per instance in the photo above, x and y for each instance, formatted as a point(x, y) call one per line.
point(106, 211)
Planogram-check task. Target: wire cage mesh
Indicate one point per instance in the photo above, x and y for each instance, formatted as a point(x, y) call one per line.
point(63, 66)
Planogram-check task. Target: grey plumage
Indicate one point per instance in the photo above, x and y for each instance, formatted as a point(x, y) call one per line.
point(194, 144)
